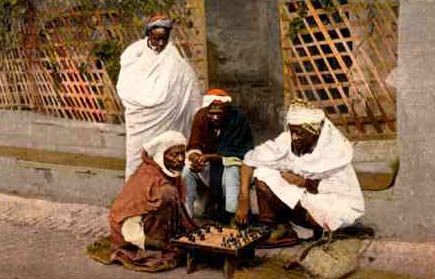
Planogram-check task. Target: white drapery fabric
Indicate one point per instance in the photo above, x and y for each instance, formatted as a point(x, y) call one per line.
point(339, 201)
point(157, 147)
point(160, 92)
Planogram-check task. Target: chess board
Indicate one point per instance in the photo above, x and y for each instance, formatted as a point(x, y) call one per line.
point(220, 239)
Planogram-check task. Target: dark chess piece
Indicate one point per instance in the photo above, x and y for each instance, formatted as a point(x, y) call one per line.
point(224, 242)
point(219, 229)
point(207, 229)
point(202, 237)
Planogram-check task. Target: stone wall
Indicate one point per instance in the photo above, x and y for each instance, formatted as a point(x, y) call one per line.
point(244, 56)
point(405, 210)
point(73, 161)
point(39, 158)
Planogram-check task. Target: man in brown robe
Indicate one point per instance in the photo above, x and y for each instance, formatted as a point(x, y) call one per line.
point(150, 207)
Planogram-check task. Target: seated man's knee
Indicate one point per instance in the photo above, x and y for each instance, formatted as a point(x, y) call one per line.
point(231, 184)
point(261, 186)
point(169, 194)
point(186, 172)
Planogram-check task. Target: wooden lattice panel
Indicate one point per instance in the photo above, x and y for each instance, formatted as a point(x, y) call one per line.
point(338, 54)
point(14, 78)
point(60, 78)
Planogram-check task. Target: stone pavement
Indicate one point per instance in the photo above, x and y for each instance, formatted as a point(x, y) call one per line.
point(46, 240)
point(43, 239)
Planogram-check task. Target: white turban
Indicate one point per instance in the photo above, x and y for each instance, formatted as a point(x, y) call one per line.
point(214, 95)
point(158, 21)
point(157, 146)
point(300, 113)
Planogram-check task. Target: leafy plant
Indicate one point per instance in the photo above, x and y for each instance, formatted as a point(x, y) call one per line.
point(109, 52)
point(297, 24)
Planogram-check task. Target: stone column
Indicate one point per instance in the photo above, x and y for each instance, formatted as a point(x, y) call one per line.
point(407, 210)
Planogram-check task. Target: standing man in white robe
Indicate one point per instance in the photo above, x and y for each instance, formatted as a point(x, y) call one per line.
point(158, 89)
point(305, 174)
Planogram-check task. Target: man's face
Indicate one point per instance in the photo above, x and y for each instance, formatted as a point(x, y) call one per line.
point(216, 114)
point(158, 39)
point(174, 157)
point(302, 140)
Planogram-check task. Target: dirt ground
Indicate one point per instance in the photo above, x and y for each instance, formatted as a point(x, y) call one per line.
point(30, 253)
point(47, 240)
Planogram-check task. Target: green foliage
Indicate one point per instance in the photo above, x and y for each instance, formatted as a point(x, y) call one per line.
point(297, 24)
point(135, 7)
point(328, 5)
point(109, 52)
point(11, 11)
point(129, 12)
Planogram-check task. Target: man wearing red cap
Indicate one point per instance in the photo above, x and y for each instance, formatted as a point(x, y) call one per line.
point(220, 137)
point(157, 87)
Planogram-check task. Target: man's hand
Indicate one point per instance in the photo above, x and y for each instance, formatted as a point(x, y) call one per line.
point(241, 218)
point(197, 164)
point(309, 184)
point(293, 178)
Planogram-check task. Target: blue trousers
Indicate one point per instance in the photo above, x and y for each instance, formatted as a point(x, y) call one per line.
point(230, 186)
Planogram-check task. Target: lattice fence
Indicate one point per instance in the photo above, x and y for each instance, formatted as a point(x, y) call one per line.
point(338, 55)
point(61, 78)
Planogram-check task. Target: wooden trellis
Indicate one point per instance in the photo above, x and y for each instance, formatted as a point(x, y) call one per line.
point(60, 78)
point(338, 54)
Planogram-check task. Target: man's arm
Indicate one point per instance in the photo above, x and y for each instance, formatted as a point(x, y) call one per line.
point(195, 135)
point(211, 157)
point(310, 184)
point(193, 149)
point(246, 173)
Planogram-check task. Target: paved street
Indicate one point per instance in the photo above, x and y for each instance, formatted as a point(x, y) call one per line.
point(47, 240)
point(38, 253)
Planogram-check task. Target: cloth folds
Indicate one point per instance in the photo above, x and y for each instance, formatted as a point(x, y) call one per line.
point(157, 146)
point(339, 200)
point(159, 92)
point(158, 201)
point(234, 140)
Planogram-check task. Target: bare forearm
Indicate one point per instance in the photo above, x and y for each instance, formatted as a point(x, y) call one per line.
point(212, 157)
point(294, 179)
point(246, 173)
point(312, 185)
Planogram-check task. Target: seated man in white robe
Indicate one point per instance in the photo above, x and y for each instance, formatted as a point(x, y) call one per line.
point(304, 176)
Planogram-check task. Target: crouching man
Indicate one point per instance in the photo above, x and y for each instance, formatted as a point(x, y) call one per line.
point(304, 176)
point(150, 208)
point(221, 136)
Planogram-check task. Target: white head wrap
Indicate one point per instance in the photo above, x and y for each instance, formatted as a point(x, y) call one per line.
point(158, 21)
point(213, 95)
point(301, 113)
point(157, 146)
